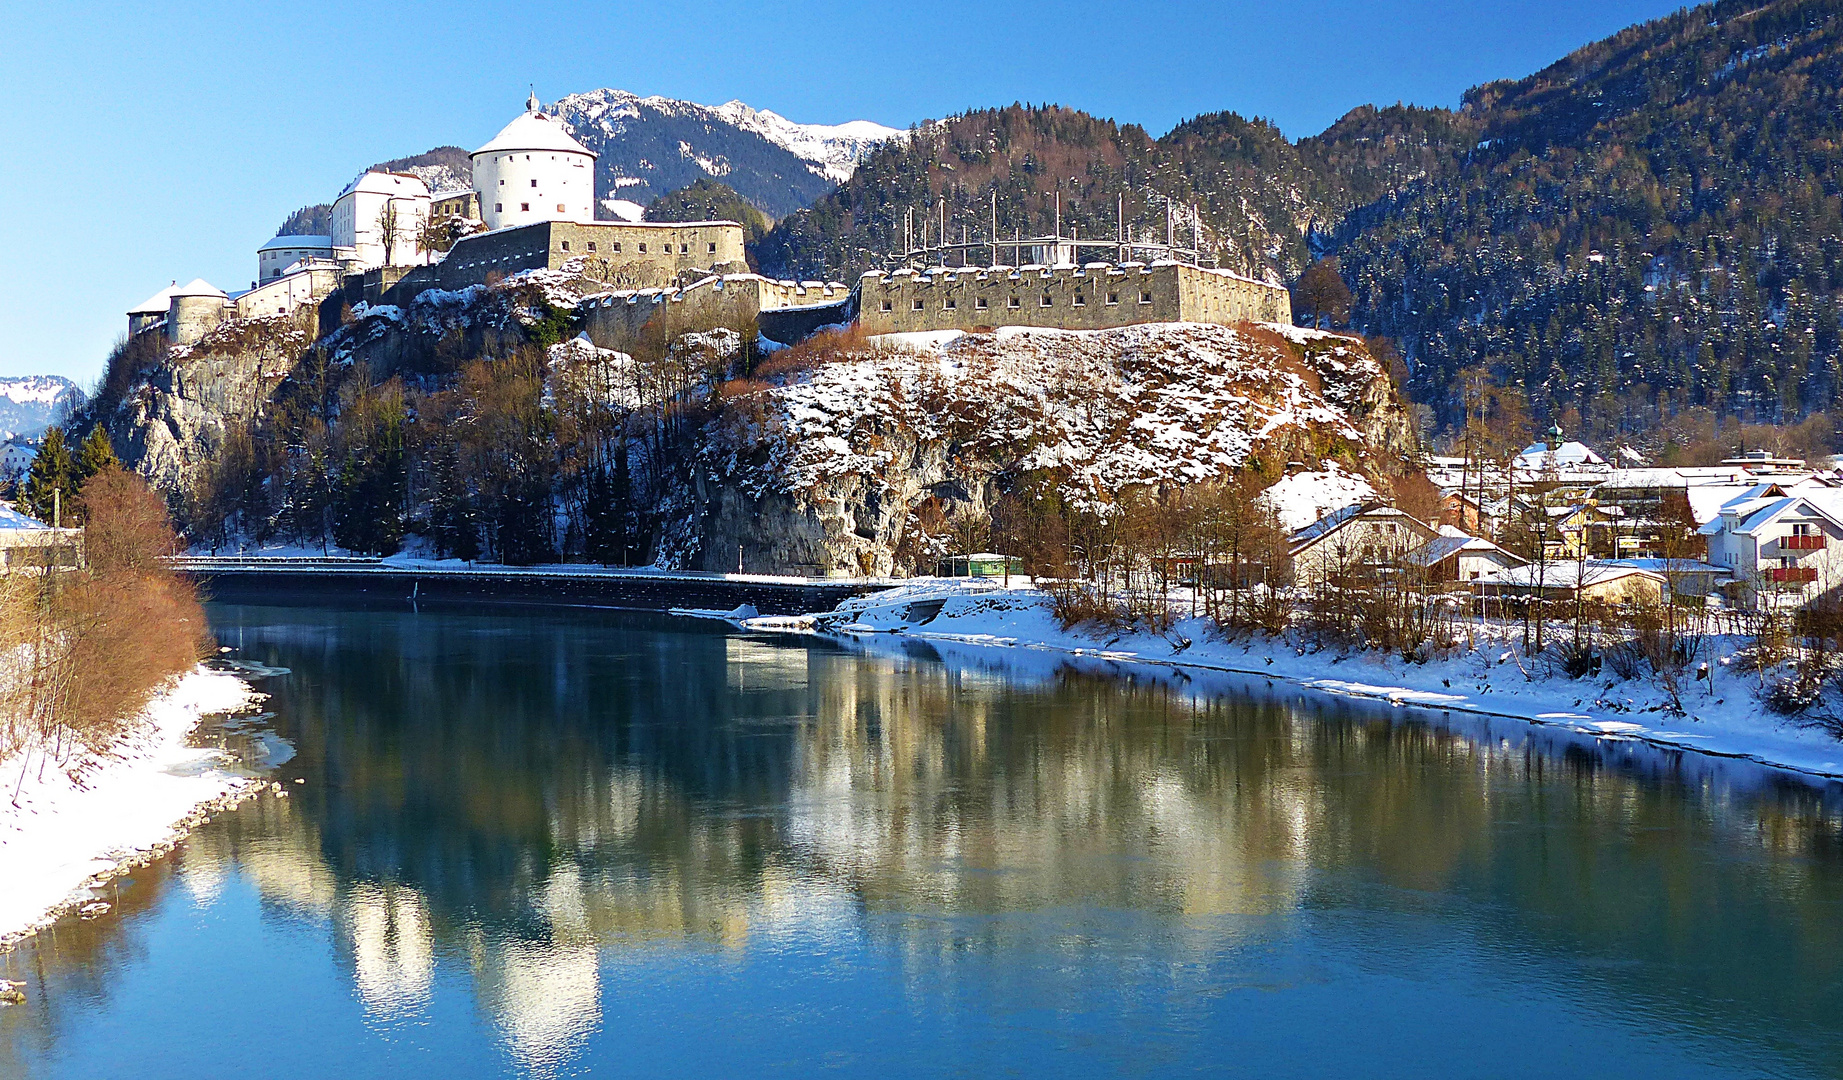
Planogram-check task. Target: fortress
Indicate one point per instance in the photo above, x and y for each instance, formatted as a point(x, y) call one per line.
point(1094, 296)
point(532, 208)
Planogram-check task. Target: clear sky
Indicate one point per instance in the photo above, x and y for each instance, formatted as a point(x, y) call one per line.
point(153, 142)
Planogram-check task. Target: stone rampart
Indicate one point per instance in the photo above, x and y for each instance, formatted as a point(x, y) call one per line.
point(628, 318)
point(626, 255)
point(1096, 296)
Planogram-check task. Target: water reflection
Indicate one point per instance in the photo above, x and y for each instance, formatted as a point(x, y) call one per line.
point(533, 804)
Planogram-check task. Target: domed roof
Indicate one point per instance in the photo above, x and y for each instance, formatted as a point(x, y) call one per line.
point(533, 130)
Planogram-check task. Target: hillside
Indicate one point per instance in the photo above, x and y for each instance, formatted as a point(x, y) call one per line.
point(1652, 223)
point(31, 403)
point(653, 145)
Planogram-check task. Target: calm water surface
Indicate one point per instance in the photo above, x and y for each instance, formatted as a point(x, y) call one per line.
point(564, 843)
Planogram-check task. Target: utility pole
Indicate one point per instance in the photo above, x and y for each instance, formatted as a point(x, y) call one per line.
point(994, 232)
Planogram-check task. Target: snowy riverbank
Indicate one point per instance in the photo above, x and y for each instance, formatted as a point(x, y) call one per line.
point(1722, 714)
point(63, 835)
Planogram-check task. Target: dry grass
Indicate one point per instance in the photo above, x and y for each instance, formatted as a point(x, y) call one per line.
point(83, 651)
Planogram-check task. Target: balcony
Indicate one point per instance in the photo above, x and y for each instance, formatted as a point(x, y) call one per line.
point(1794, 575)
point(1811, 542)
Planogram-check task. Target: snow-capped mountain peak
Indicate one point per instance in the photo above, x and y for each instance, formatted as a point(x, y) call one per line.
point(833, 149)
point(652, 145)
point(35, 389)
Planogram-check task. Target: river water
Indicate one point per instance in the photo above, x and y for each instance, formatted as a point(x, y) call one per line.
point(562, 843)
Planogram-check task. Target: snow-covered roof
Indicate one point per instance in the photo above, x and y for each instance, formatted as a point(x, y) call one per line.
point(297, 242)
point(386, 183)
point(13, 519)
point(1567, 574)
point(1567, 455)
point(1301, 498)
point(1755, 512)
point(534, 131)
point(158, 303)
point(199, 287)
point(1335, 520)
point(1450, 542)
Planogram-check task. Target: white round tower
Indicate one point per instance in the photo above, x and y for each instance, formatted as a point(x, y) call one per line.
point(534, 171)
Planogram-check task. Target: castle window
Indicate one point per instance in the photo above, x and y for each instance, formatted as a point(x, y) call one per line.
point(1145, 297)
point(684, 249)
point(1046, 301)
point(617, 247)
point(499, 208)
point(918, 305)
point(951, 303)
point(887, 306)
point(1079, 302)
point(642, 249)
point(560, 209)
point(534, 182)
point(982, 303)
point(1014, 302)
point(713, 249)
point(525, 206)
point(1113, 298)
point(591, 245)
point(502, 181)
point(565, 244)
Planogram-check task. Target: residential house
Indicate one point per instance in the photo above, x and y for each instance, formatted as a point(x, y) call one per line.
point(1458, 557)
point(1780, 545)
point(1359, 540)
point(1594, 580)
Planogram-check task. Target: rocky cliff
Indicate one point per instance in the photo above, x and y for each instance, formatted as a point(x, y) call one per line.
point(846, 455)
point(860, 464)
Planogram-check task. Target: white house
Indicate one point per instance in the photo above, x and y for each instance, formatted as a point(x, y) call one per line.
point(532, 171)
point(1455, 555)
point(308, 281)
point(27, 543)
point(1783, 544)
point(368, 208)
point(276, 256)
point(1555, 459)
point(1356, 539)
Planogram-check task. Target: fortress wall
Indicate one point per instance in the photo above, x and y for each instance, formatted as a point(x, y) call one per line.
point(1094, 297)
point(626, 319)
point(627, 255)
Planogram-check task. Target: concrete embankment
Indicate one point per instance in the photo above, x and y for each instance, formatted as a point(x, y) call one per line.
point(263, 580)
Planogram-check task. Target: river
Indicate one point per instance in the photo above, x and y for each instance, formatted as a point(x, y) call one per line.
point(562, 843)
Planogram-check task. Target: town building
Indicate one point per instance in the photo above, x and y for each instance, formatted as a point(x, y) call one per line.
point(27, 543)
point(533, 171)
point(1593, 580)
point(1780, 546)
point(455, 204)
point(378, 220)
point(1356, 541)
point(1456, 556)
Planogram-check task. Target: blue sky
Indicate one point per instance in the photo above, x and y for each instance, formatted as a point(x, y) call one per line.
point(153, 142)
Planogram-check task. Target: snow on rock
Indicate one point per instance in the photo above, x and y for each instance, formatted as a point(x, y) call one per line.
point(1301, 498)
point(61, 834)
point(839, 467)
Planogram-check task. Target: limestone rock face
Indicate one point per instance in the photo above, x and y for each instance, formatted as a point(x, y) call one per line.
point(177, 414)
point(858, 465)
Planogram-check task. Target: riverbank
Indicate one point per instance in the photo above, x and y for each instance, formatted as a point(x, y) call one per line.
point(70, 829)
point(1721, 714)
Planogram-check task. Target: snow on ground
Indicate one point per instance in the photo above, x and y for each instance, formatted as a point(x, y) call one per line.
point(59, 836)
point(1301, 498)
point(1722, 715)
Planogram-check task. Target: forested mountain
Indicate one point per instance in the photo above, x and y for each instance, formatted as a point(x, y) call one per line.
point(1652, 223)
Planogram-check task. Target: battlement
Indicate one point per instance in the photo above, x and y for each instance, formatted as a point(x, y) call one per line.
point(1094, 296)
point(625, 254)
point(624, 318)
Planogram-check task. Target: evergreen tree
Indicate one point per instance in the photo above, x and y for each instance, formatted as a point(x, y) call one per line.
point(51, 485)
point(94, 455)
